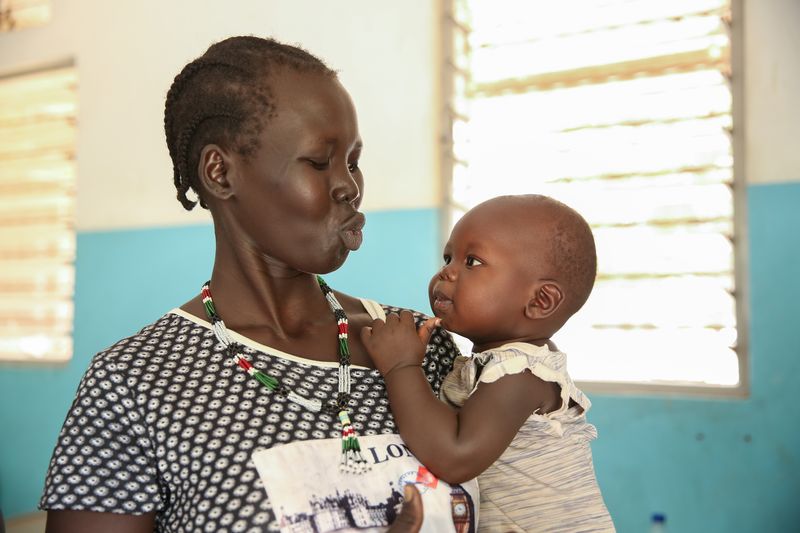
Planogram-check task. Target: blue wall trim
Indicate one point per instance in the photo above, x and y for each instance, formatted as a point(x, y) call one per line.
point(710, 465)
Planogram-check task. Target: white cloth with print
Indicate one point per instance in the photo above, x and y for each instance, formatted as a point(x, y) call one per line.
point(544, 480)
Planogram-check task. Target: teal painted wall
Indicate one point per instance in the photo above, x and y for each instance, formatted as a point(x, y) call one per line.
point(710, 465)
point(721, 465)
point(127, 279)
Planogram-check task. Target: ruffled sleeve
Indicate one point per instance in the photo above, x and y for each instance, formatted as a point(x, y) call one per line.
point(514, 358)
point(458, 384)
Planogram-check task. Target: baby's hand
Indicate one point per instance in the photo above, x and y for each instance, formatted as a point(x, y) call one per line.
point(397, 342)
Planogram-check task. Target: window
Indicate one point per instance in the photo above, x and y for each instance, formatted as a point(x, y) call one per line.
point(621, 109)
point(37, 197)
point(19, 14)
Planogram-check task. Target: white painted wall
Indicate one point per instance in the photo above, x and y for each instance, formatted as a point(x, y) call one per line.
point(772, 86)
point(128, 52)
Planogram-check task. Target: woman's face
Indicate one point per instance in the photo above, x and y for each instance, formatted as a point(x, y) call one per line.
point(298, 194)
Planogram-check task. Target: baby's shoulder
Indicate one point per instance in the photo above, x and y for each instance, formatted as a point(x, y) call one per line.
point(516, 357)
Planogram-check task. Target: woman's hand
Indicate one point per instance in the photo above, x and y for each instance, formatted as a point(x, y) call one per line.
point(410, 518)
point(397, 343)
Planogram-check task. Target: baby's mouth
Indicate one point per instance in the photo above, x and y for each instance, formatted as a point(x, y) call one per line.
point(441, 303)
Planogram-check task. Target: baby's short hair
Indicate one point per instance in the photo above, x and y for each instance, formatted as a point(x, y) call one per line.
point(574, 254)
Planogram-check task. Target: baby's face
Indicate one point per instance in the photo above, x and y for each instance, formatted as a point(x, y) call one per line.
point(490, 261)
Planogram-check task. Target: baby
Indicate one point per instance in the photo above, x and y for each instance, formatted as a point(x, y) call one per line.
point(516, 268)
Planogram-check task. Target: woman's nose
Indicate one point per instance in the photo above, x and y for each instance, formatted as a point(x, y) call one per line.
point(346, 187)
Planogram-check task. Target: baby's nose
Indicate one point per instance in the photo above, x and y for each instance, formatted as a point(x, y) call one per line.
point(448, 272)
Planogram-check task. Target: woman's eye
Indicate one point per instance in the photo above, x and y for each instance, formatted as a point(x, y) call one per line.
point(318, 165)
point(353, 167)
point(473, 261)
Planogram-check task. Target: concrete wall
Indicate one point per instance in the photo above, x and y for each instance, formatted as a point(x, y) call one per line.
point(127, 54)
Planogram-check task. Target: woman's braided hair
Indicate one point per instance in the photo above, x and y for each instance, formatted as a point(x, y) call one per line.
point(223, 97)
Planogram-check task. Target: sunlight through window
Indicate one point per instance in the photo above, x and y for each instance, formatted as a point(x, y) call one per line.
point(21, 14)
point(622, 110)
point(37, 195)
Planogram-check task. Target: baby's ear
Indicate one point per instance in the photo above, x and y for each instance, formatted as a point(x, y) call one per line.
point(545, 299)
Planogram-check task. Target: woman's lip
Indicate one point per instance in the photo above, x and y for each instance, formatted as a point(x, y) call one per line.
point(352, 239)
point(351, 233)
point(355, 222)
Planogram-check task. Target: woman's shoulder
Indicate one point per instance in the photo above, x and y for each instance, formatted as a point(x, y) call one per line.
point(173, 328)
point(442, 349)
point(440, 336)
point(418, 315)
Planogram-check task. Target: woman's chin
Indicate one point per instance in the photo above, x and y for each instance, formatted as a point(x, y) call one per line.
point(334, 263)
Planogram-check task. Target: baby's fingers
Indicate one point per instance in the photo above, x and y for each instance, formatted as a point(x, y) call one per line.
point(366, 334)
point(425, 329)
point(366, 331)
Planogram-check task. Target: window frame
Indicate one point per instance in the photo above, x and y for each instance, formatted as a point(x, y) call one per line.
point(451, 27)
point(47, 360)
point(10, 9)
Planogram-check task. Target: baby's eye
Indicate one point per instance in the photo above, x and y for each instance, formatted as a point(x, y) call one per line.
point(473, 261)
point(353, 167)
point(446, 260)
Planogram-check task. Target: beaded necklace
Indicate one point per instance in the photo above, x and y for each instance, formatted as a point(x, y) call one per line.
point(351, 459)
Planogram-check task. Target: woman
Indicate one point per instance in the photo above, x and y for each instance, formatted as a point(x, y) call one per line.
point(176, 428)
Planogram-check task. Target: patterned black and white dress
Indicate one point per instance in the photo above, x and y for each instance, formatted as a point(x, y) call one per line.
point(164, 421)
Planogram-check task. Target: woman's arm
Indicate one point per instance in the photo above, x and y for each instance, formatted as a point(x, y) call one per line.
point(454, 445)
point(92, 522)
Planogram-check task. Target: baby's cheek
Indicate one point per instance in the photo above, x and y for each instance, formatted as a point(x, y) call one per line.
point(430, 289)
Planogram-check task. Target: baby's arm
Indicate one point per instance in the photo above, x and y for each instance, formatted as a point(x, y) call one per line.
point(454, 445)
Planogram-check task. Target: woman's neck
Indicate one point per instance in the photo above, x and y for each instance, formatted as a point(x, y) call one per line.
point(257, 293)
point(250, 292)
point(276, 306)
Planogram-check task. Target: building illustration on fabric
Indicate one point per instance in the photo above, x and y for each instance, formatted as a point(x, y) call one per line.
point(317, 499)
point(344, 511)
point(463, 509)
point(347, 511)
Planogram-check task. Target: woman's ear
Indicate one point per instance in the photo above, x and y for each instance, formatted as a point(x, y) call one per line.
point(214, 170)
point(545, 300)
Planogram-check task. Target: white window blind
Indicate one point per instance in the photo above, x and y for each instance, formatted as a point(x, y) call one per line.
point(37, 197)
point(622, 110)
point(19, 14)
